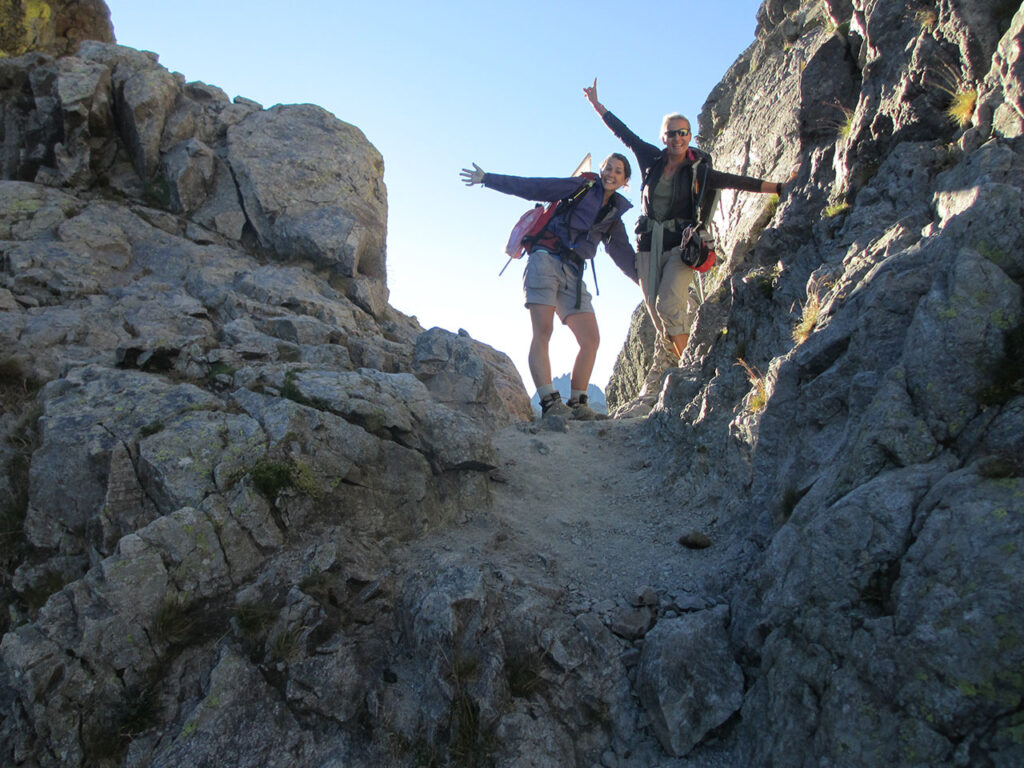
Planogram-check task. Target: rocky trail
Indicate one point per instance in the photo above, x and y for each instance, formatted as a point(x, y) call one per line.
point(580, 515)
point(582, 511)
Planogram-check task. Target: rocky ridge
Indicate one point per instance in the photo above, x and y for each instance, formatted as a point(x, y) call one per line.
point(256, 516)
point(851, 401)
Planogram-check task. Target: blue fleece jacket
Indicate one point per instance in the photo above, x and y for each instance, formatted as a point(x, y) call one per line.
point(586, 230)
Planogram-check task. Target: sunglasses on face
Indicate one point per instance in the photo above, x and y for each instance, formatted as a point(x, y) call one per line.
point(680, 133)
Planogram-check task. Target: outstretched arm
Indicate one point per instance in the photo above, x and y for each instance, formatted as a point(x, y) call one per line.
point(476, 176)
point(547, 189)
point(722, 180)
point(591, 94)
point(645, 153)
point(778, 187)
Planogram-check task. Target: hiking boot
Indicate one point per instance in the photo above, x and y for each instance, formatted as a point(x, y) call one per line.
point(581, 410)
point(552, 405)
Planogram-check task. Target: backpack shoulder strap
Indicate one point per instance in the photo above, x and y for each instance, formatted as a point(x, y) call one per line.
point(574, 199)
point(703, 198)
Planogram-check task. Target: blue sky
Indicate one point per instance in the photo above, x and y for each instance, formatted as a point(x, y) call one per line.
point(437, 86)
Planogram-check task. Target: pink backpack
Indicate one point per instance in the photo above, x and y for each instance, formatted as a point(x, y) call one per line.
point(532, 223)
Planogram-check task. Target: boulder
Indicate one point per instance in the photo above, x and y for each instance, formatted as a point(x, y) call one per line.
point(55, 27)
point(471, 376)
point(313, 189)
point(688, 681)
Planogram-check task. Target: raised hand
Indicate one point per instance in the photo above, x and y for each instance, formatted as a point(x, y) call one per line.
point(590, 92)
point(476, 176)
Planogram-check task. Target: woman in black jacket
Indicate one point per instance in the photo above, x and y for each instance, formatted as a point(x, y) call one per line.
point(676, 180)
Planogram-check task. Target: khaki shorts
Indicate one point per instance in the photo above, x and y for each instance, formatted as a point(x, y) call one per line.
point(549, 281)
point(673, 307)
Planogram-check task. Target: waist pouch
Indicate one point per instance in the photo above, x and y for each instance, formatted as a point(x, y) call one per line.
point(697, 250)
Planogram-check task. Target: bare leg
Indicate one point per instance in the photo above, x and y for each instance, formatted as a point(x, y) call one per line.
point(679, 342)
point(584, 328)
point(542, 319)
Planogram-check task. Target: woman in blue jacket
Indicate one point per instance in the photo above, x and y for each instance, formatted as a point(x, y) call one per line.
point(553, 279)
point(676, 179)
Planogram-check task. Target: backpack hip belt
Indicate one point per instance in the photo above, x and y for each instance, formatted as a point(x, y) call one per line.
point(645, 231)
point(569, 257)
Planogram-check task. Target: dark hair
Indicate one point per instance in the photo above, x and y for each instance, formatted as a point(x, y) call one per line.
point(625, 163)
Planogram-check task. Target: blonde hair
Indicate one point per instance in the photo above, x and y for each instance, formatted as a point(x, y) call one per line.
point(674, 116)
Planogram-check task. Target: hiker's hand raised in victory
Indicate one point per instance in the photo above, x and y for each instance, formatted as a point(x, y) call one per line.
point(590, 92)
point(476, 176)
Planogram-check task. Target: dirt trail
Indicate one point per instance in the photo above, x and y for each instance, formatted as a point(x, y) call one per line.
point(580, 511)
point(580, 516)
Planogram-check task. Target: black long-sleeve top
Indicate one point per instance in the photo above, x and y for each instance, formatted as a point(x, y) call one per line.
point(695, 175)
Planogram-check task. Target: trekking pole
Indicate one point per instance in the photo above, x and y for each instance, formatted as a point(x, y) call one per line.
point(505, 267)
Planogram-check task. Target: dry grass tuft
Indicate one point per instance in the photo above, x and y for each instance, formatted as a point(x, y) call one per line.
point(174, 623)
point(963, 96)
point(961, 108)
point(809, 316)
point(926, 19)
point(836, 209)
point(759, 397)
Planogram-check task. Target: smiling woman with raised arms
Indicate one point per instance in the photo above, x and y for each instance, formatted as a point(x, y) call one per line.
point(675, 179)
point(553, 279)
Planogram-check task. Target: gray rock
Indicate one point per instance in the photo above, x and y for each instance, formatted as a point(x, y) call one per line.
point(144, 99)
point(901, 394)
point(463, 372)
point(190, 169)
point(197, 454)
point(688, 681)
point(1004, 81)
point(239, 721)
point(85, 416)
point(632, 623)
point(646, 597)
point(531, 742)
point(312, 187)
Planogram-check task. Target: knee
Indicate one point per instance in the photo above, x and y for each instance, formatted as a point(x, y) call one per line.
point(669, 310)
point(543, 327)
point(542, 334)
point(590, 342)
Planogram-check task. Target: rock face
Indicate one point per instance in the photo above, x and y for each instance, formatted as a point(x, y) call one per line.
point(53, 26)
point(634, 360)
point(220, 443)
point(867, 470)
point(206, 402)
point(688, 681)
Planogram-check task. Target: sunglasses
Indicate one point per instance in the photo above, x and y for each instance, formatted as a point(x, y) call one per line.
point(680, 133)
